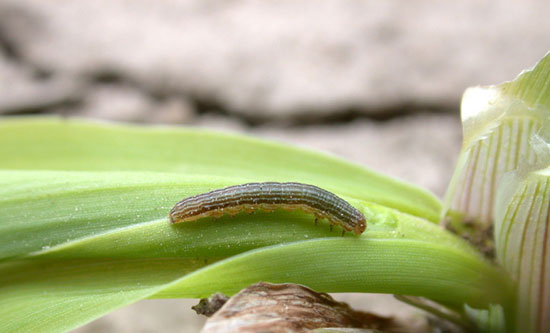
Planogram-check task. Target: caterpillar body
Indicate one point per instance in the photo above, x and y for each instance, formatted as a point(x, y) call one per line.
point(270, 196)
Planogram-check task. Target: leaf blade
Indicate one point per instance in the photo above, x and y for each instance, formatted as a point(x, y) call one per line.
point(54, 144)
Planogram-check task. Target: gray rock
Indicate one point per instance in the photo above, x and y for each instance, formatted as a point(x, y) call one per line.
point(22, 91)
point(124, 103)
point(286, 59)
point(159, 315)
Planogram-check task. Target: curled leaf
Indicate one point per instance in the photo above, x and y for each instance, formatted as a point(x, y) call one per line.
point(506, 128)
point(522, 237)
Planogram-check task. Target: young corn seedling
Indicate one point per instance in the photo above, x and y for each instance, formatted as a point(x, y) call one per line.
point(84, 224)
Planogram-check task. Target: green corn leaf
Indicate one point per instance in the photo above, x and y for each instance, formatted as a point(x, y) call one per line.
point(141, 173)
point(55, 144)
point(361, 265)
point(84, 227)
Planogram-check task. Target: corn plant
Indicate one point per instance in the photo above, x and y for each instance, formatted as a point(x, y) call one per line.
point(84, 225)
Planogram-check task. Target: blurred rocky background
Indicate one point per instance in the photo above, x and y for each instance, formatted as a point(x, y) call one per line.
point(376, 82)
